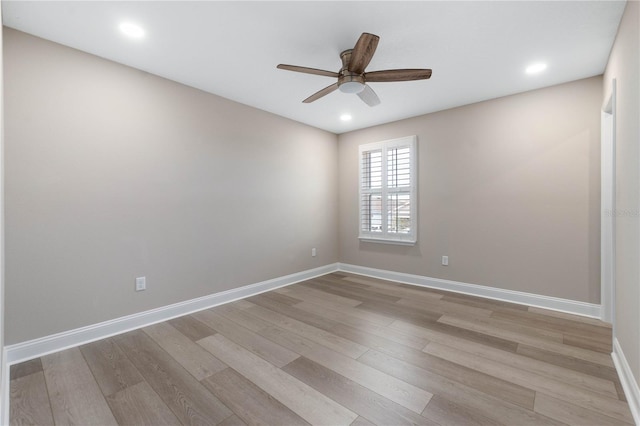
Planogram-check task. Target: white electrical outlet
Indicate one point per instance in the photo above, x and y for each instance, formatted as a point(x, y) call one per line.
point(141, 283)
point(445, 260)
point(313, 252)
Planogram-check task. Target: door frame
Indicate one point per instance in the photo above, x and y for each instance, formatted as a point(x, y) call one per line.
point(608, 208)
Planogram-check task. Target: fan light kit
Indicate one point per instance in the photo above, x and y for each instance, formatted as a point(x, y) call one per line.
point(353, 79)
point(351, 87)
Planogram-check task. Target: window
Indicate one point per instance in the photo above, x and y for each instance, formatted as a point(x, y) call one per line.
point(388, 188)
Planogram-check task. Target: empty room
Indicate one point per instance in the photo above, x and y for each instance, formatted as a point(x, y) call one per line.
point(320, 213)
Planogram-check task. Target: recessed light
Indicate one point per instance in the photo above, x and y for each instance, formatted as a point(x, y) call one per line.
point(132, 30)
point(536, 68)
point(345, 117)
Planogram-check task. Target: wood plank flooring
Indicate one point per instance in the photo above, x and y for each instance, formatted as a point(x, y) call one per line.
point(335, 350)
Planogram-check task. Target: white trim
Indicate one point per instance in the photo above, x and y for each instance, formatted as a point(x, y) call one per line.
point(384, 236)
point(629, 383)
point(522, 298)
point(6, 390)
point(24, 351)
point(608, 206)
point(387, 241)
point(4, 379)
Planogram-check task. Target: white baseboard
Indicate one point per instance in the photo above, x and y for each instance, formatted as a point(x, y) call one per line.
point(45, 345)
point(546, 302)
point(628, 381)
point(56, 342)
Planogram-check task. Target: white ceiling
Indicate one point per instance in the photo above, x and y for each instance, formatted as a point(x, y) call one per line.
point(478, 50)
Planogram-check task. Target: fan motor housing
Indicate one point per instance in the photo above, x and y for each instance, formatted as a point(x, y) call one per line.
point(349, 82)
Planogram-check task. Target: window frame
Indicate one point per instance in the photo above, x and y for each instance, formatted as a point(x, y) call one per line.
point(384, 236)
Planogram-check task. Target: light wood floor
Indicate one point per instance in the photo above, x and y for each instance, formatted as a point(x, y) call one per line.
point(335, 350)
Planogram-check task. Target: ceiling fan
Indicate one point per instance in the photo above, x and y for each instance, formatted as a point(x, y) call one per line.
point(352, 77)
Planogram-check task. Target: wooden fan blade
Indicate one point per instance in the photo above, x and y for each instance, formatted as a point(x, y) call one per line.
point(307, 70)
point(369, 97)
point(321, 93)
point(363, 52)
point(397, 75)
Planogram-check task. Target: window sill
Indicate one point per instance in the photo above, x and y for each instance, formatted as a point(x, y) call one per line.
point(387, 241)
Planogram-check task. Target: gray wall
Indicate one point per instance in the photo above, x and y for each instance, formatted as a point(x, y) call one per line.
point(509, 189)
point(624, 67)
point(112, 173)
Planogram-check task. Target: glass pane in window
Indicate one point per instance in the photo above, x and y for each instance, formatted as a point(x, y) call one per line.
point(399, 213)
point(371, 211)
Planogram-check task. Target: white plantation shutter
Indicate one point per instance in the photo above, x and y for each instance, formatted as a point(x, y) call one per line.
point(388, 191)
point(371, 191)
point(399, 190)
